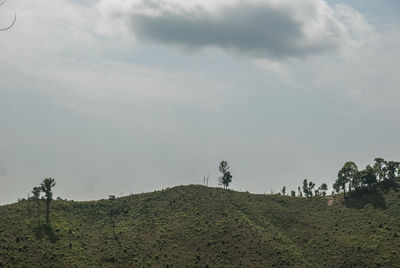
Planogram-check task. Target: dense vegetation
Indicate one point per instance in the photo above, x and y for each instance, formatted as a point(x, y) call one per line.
point(206, 227)
point(356, 182)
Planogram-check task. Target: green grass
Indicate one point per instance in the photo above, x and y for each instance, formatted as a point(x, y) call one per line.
point(196, 226)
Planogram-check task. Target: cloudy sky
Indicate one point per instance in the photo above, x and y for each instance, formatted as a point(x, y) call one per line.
point(128, 96)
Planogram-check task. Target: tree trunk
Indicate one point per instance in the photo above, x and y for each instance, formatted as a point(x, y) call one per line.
point(29, 209)
point(48, 214)
point(38, 213)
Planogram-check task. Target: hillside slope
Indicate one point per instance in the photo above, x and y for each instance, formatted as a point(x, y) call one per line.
point(196, 226)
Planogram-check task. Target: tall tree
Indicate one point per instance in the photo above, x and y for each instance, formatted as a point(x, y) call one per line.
point(29, 207)
point(323, 188)
point(368, 176)
point(311, 186)
point(47, 186)
point(356, 181)
point(391, 168)
point(380, 168)
point(226, 178)
point(308, 188)
point(284, 190)
point(36, 196)
point(305, 188)
point(346, 174)
point(336, 187)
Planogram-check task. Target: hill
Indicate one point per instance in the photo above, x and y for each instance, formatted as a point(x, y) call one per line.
point(197, 226)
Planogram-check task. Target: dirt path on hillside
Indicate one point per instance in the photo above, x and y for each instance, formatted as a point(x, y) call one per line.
point(331, 200)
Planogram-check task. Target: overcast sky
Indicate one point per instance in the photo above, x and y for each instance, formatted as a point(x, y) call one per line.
point(129, 96)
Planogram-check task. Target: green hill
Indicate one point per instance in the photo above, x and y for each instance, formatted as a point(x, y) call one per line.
point(196, 226)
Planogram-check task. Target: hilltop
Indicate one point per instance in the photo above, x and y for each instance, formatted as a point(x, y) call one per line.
point(198, 226)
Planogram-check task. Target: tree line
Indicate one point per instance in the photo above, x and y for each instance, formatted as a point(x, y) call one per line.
point(352, 180)
point(307, 190)
point(349, 179)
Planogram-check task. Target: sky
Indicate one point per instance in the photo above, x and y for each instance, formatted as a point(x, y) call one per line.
point(130, 96)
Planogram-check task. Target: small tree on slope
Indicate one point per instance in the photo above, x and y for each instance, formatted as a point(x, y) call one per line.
point(226, 177)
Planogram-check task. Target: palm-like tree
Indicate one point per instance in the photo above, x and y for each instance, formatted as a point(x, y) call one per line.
point(46, 187)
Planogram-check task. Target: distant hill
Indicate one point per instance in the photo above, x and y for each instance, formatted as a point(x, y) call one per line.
point(197, 226)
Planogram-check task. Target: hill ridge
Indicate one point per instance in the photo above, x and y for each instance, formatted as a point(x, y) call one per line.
point(198, 226)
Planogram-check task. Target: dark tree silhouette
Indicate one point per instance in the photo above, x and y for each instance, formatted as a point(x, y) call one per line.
point(284, 190)
point(308, 188)
point(368, 176)
point(36, 196)
point(336, 187)
point(311, 186)
point(300, 192)
point(226, 177)
point(317, 192)
point(305, 187)
point(29, 207)
point(323, 188)
point(46, 186)
point(347, 174)
point(392, 167)
point(12, 23)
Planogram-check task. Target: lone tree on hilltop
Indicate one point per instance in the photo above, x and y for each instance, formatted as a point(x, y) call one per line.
point(226, 177)
point(36, 196)
point(46, 187)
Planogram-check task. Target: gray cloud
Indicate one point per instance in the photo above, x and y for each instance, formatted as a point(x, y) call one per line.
point(258, 28)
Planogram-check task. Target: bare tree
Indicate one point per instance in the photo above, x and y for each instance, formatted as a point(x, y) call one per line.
point(12, 23)
point(205, 179)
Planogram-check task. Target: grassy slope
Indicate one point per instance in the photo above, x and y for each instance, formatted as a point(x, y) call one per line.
point(199, 226)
